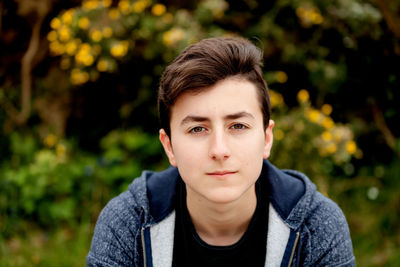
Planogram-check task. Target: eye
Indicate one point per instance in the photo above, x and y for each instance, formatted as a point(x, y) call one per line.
point(238, 126)
point(197, 129)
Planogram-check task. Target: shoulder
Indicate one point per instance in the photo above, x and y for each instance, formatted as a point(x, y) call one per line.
point(124, 209)
point(327, 234)
point(121, 211)
point(324, 233)
point(118, 228)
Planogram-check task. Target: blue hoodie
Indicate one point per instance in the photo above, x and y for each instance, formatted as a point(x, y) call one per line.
point(305, 228)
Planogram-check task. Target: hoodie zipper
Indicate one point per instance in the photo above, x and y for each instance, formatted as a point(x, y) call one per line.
point(294, 248)
point(144, 248)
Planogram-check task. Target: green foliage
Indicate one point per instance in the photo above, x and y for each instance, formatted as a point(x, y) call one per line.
point(308, 140)
point(342, 131)
point(366, 200)
point(47, 189)
point(127, 153)
point(97, 36)
point(59, 184)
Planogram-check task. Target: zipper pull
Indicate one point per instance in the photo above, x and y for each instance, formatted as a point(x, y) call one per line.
point(294, 248)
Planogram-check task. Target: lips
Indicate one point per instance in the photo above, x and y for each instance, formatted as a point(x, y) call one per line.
point(221, 174)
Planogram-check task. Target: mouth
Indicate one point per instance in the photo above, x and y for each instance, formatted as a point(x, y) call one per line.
point(220, 174)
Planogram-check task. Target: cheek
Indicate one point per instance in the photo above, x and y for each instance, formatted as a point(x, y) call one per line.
point(252, 156)
point(187, 153)
point(252, 148)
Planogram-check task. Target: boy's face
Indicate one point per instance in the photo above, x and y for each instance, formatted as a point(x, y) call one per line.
point(218, 141)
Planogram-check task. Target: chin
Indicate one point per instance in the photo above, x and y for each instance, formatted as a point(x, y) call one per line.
point(223, 196)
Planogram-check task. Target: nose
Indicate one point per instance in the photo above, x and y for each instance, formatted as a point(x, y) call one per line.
point(219, 148)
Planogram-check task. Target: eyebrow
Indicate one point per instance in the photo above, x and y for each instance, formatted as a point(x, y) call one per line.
point(191, 118)
point(239, 115)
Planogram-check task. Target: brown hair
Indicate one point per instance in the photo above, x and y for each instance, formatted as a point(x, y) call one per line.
point(203, 64)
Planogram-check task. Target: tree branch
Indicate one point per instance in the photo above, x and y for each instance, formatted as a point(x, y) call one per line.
point(40, 9)
point(382, 126)
point(392, 20)
point(26, 69)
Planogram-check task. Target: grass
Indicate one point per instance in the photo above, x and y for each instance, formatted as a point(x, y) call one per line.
point(64, 246)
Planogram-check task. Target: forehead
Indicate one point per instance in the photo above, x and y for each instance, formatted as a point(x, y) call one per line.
point(226, 97)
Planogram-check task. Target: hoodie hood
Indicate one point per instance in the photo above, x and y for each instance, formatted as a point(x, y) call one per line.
point(290, 192)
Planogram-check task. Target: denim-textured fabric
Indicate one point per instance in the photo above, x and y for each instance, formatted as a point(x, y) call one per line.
point(323, 234)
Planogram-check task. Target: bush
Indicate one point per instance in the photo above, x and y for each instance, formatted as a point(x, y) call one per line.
point(54, 183)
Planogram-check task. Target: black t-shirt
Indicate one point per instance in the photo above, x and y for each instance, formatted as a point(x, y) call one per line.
point(190, 250)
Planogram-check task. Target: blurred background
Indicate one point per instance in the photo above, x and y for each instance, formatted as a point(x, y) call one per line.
point(78, 117)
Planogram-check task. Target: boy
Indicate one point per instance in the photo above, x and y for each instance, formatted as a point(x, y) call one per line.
point(221, 203)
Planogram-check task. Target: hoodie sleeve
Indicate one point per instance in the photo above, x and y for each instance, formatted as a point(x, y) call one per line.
point(114, 242)
point(327, 235)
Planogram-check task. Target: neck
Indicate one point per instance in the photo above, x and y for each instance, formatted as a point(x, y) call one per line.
point(221, 224)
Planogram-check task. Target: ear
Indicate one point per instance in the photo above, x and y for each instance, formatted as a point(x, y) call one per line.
point(166, 143)
point(269, 139)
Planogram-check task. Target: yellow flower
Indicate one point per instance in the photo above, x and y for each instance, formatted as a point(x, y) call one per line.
point(90, 4)
point(60, 150)
point(314, 115)
point(107, 32)
point(83, 23)
point(84, 55)
point(55, 23)
point(79, 77)
point(351, 147)
point(84, 58)
point(328, 123)
point(275, 98)
point(71, 48)
point(85, 47)
point(326, 109)
point(279, 134)
point(113, 13)
point(102, 65)
point(139, 6)
point(119, 49)
point(326, 136)
point(281, 77)
point(173, 36)
point(124, 6)
point(96, 35)
point(158, 9)
point(67, 17)
point(303, 96)
point(64, 34)
point(88, 60)
point(309, 16)
point(331, 148)
point(50, 140)
point(316, 18)
point(56, 48)
point(106, 3)
point(52, 36)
